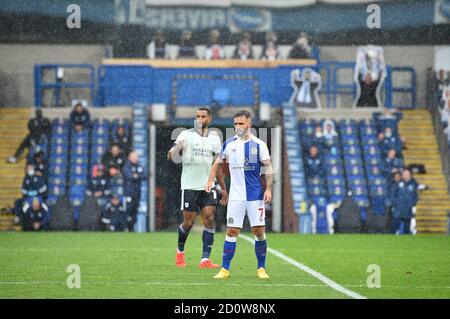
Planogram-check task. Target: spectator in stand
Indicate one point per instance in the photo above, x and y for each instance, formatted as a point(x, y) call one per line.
point(314, 165)
point(187, 46)
point(392, 164)
point(441, 83)
point(214, 50)
point(123, 139)
point(40, 165)
point(404, 204)
point(445, 112)
point(270, 50)
point(133, 174)
point(329, 133)
point(33, 185)
point(114, 213)
point(80, 118)
point(301, 48)
point(388, 141)
point(244, 49)
point(33, 214)
point(100, 186)
point(445, 95)
point(158, 48)
point(113, 160)
point(39, 129)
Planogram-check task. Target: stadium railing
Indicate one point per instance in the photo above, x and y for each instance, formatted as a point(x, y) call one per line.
point(58, 84)
point(295, 167)
point(129, 81)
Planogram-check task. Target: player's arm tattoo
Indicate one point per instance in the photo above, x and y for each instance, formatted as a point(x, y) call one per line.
point(268, 173)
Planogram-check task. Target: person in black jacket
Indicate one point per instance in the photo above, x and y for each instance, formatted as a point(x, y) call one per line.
point(122, 139)
point(39, 128)
point(114, 214)
point(133, 174)
point(114, 160)
point(100, 186)
point(404, 202)
point(33, 214)
point(80, 118)
point(300, 49)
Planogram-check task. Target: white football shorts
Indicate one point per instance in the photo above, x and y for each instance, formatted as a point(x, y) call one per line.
point(237, 209)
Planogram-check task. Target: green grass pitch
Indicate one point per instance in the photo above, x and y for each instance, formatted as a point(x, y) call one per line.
point(126, 265)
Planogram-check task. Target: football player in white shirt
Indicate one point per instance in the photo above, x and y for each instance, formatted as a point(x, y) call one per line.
point(199, 146)
point(247, 157)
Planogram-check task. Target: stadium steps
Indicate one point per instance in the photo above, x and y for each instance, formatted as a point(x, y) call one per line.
point(422, 147)
point(13, 128)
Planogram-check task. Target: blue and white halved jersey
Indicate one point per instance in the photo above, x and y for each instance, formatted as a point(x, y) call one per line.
point(244, 159)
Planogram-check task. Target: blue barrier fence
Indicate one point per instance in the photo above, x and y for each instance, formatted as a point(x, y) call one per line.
point(129, 84)
point(59, 84)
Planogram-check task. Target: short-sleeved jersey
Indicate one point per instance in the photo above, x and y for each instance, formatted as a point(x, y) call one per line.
point(197, 157)
point(244, 159)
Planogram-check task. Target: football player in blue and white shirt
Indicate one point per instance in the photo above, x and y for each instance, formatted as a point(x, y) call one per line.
point(247, 157)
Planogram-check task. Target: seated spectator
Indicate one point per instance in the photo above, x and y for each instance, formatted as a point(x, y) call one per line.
point(122, 139)
point(114, 214)
point(40, 165)
point(270, 50)
point(133, 175)
point(300, 49)
point(445, 112)
point(244, 49)
point(158, 48)
point(113, 160)
point(392, 164)
point(39, 129)
point(33, 214)
point(214, 50)
point(329, 133)
point(404, 204)
point(388, 141)
point(33, 185)
point(187, 46)
point(441, 83)
point(445, 95)
point(100, 186)
point(314, 166)
point(80, 118)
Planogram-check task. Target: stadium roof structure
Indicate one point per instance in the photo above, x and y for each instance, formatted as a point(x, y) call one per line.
point(253, 3)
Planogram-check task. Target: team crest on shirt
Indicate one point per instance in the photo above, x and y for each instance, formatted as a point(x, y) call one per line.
point(254, 151)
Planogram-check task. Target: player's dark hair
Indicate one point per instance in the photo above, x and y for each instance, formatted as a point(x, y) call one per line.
point(205, 109)
point(243, 113)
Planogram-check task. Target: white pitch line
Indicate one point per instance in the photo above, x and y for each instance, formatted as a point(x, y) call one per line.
point(310, 271)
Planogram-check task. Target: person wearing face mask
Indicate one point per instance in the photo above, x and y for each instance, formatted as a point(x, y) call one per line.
point(33, 184)
point(199, 147)
point(248, 158)
point(39, 129)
